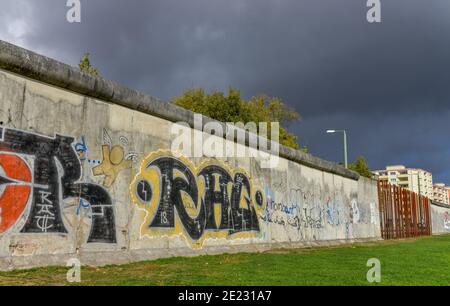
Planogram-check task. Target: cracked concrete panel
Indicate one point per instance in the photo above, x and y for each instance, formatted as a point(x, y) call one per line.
point(263, 174)
point(49, 110)
point(12, 98)
point(368, 205)
point(332, 220)
point(93, 123)
point(148, 135)
point(46, 244)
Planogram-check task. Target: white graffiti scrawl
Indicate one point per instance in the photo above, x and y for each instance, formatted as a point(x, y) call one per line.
point(373, 214)
point(355, 211)
point(447, 221)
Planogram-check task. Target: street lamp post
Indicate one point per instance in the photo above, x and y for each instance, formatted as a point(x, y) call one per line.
point(345, 144)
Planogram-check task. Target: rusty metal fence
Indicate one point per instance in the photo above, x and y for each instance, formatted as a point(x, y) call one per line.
point(403, 213)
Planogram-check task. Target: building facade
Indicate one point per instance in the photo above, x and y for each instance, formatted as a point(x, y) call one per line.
point(416, 180)
point(441, 193)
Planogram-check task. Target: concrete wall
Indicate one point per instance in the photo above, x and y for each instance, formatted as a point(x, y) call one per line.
point(440, 219)
point(86, 171)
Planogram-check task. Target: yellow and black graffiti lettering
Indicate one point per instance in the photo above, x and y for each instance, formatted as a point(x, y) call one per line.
point(209, 201)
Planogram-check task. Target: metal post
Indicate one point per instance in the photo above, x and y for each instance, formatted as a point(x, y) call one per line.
point(345, 150)
point(345, 144)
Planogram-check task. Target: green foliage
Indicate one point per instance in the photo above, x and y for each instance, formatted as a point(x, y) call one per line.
point(85, 66)
point(232, 108)
point(361, 166)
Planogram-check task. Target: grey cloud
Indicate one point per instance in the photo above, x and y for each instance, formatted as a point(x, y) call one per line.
point(386, 83)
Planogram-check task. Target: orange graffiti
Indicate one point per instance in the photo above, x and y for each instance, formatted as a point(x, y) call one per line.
point(14, 198)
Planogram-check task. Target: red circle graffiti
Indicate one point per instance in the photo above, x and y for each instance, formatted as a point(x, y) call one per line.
point(14, 198)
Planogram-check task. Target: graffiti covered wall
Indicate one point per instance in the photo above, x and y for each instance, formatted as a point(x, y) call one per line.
point(440, 218)
point(81, 177)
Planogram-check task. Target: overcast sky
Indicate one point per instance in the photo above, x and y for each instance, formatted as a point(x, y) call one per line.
point(387, 84)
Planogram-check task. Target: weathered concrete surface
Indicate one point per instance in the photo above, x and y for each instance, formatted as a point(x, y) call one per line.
point(440, 219)
point(94, 179)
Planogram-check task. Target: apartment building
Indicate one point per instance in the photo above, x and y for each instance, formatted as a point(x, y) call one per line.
point(416, 180)
point(441, 193)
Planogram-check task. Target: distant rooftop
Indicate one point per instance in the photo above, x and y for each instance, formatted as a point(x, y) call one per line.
point(400, 167)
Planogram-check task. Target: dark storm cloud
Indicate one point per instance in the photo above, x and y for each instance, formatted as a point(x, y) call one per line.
point(398, 139)
point(387, 83)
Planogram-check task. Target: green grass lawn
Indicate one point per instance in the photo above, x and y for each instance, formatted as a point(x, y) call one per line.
point(422, 261)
